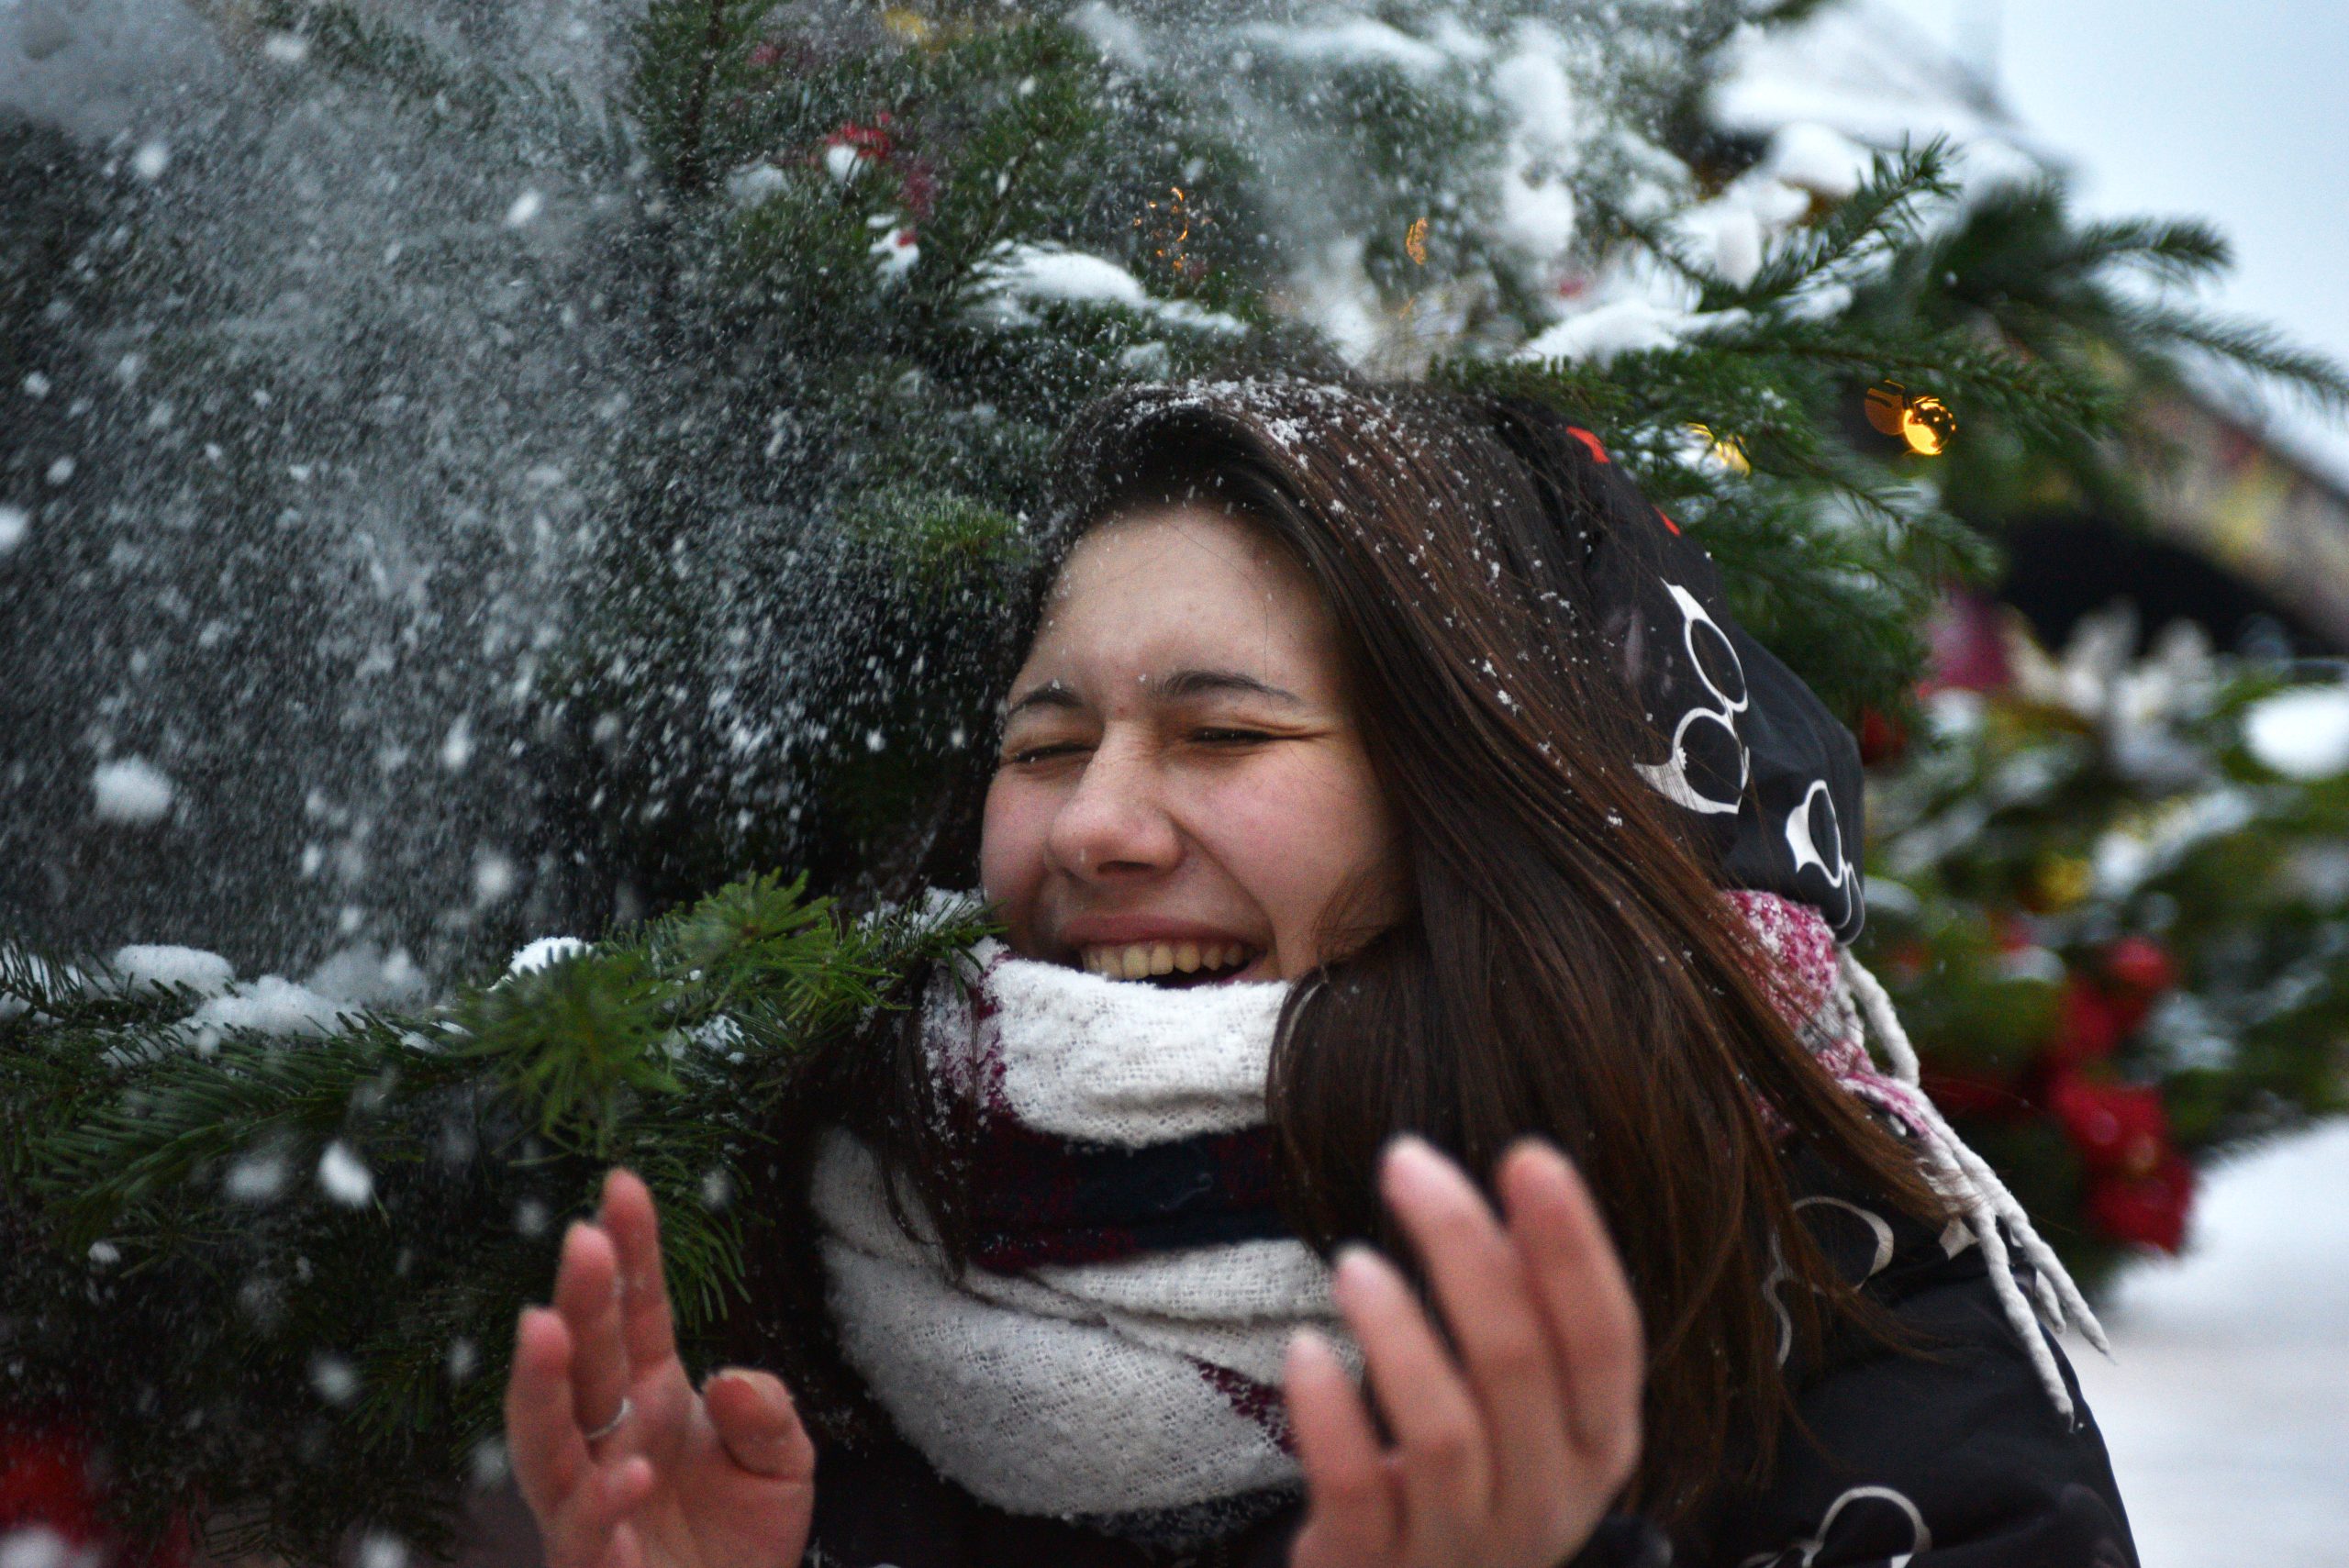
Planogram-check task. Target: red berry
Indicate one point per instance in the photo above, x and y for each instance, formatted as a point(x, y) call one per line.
point(2118, 1128)
point(2140, 964)
point(1882, 737)
point(2148, 1211)
point(1970, 1094)
point(2089, 1028)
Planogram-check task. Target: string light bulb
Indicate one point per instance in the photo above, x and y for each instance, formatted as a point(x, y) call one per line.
point(1727, 451)
point(1415, 241)
point(1921, 421)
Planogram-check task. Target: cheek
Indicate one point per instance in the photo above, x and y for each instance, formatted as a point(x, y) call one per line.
point(1012, 836)
point(1298, 839)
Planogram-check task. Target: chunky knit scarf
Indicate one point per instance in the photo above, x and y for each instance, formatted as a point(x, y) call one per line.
point(1114, 1353)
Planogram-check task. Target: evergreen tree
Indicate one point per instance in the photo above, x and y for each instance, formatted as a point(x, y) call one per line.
point(774, 312)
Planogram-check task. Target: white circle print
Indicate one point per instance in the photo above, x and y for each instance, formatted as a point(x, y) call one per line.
point(1829, 858)
point(1670, 777)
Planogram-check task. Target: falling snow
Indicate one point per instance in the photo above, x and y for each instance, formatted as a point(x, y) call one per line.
point(132, 792)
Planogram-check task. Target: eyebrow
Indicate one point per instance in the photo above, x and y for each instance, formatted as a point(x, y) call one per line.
point(1177, 687)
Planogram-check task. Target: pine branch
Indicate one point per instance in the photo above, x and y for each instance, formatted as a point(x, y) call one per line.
point(2250, 346)
point(1871, 224)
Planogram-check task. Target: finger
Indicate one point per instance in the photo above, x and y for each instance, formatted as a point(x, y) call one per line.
point(585, 1528)
point(1443, 1449)
point(631, 1219)
point(587, 1294)
point(1586, 1302)
point(758, 1425)
point(1351, 1519)
point(543, 1434)
point(1496, 1323)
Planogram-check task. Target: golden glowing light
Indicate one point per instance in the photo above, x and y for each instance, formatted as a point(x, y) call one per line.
point(1923, 421)
point(1928, 426)
point(1167, 228)
point(1415, 241)
point(911, 25)
point(1727, 451)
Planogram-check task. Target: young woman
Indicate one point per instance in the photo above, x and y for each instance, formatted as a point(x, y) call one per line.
point(1385, 803)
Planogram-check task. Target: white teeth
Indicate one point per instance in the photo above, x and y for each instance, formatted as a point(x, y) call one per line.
point(1138, 960)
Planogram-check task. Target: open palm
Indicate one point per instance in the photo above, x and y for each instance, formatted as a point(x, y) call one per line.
point(722, 1477)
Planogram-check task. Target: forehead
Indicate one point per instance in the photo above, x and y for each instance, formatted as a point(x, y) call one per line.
point(1178, 588)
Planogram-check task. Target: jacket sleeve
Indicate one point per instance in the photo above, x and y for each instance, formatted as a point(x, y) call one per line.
point(1953, 1457)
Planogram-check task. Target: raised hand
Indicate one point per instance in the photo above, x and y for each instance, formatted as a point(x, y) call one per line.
point(623, 1463)
point(1507, 1453)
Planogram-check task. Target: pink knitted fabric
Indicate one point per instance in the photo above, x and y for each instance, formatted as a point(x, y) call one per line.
point(1804, 976)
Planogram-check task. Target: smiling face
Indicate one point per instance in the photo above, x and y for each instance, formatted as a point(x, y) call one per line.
point(1182, 792)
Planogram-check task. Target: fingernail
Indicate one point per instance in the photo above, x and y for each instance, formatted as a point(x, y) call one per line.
point(1307, 1347)
point(1413, 1164)
point(1355, 1271)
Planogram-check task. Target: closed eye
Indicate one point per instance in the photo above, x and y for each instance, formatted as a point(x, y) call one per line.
point(1028, 754)
point(1231, 736)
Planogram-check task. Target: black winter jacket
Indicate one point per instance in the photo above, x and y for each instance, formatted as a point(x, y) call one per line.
point(1950, 1458)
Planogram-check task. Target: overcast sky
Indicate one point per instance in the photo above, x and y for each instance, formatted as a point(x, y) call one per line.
point(2239, 115)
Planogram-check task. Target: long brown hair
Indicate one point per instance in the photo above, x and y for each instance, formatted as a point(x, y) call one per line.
point(1566, 966)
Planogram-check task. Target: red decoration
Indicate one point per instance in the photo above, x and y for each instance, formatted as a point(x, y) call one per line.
point(917, 188)
point(2120, 1129)
point(2089, 1028)
point(2141, 965)
point(45, 1483)
point(1968, 637)
point(1971, 1093)
point(1883, 738)
point(2013, 929)
point(2148, 1211)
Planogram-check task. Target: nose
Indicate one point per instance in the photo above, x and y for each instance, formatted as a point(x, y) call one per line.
point(1114, 823)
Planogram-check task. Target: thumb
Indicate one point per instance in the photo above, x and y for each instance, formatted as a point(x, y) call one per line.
point(758, 1424)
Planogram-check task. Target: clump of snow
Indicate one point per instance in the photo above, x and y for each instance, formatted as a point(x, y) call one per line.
point(545, 951)
point(898, 248)
point(37, 1546)
point(345, 1176)
point(133, 792)
point(457, 745)
point(525, 209)
point(256, 1178)
point(151, 159)
point(1626, 326)
point(1819, 158)
point(15, 523)
point(162, 965)
point(2301, 734)
point(494, 877)
point(754, 182)
point(336, 1380)
point(270, 1005)
point(365, 975)
point(1349, 40)
point(1015, 276)
point(379, 1549)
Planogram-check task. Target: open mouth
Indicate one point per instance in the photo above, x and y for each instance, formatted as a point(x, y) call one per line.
point(1173, 965)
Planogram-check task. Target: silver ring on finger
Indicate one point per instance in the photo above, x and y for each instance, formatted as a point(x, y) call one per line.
point(608, 1428)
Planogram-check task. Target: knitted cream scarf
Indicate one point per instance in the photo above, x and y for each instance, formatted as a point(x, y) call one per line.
point(1145, 1387)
